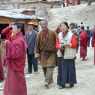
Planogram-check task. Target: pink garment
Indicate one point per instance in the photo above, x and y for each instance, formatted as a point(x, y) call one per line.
point(83, 44)
point(15, 83)
point(78, 2)
point(68, 2)
point(93, 37)
point(83, 52)
point(1, 68)
point(93, 42)
point(7, 32)
point(1, 71)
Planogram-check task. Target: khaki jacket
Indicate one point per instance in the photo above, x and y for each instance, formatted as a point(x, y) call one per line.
point(46, 50)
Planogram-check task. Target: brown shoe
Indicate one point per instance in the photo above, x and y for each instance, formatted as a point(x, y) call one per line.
point(51, 82)
point(46, 85)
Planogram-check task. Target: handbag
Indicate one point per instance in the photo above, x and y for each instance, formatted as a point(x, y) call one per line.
point(69, 53)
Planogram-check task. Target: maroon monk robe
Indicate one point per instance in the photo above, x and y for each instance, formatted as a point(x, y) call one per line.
point(93, 42)
point(7, 32)
point(83, 44)
point(68, 2)
point(78, 2)
point(1, 68)
point(15, 83)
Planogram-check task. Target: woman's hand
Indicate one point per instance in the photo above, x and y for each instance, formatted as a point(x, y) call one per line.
point(10, 25)
point(38, 60)
point(61, 48)
point(4, 42)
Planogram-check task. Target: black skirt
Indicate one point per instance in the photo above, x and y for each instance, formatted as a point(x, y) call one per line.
point(66, 72)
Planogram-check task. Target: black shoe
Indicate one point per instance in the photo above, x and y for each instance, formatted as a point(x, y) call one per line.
point(51, 81)
point(61, 87)
point(71, 85)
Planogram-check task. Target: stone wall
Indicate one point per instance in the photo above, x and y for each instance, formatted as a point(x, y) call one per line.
point(28, 5)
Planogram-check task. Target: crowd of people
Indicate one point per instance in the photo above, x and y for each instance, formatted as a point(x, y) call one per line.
point(48, 48)
point(66, 3)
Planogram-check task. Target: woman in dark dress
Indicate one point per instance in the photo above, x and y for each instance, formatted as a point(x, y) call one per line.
point(66, 44)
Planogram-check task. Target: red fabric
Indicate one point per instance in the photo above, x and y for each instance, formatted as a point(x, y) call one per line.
point(68, 2)
point(83, 38)
point(94, 56)
point(57, 42)
point(83, 44)
point(15, 83)
point(1, 68)
point(73, 42)
point(7, 32)
point(93, 38)
point(93, 42)
point(78, 2)
point(1, 71)
point(83, 52)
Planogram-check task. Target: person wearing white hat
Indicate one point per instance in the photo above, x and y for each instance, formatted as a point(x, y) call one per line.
point(31, 40)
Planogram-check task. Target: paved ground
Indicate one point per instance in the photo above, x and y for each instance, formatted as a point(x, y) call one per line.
point(85, 80)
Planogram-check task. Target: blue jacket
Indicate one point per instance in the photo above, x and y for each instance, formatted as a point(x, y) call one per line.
point(88, 31)
point(31, 41)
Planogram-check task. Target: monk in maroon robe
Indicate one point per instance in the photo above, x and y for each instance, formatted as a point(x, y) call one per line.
point(93, 41)
point(1, 68)
point(78, 2)
point(68, 2)
point(83, 43)
point(15, 83)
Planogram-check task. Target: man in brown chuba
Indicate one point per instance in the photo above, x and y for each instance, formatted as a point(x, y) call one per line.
point(46, 51)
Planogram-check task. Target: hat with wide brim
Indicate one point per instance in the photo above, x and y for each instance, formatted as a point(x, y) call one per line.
point(30, 23)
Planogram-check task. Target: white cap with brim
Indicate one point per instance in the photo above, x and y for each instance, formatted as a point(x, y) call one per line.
point(43, 22)
point(30, 23)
